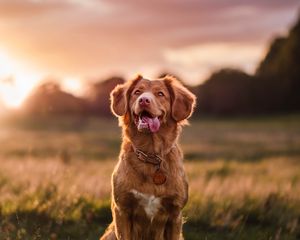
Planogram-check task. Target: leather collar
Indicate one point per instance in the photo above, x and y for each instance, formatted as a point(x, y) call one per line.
point(150, 158)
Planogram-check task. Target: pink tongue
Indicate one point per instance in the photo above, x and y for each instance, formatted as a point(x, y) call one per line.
point(153, 123)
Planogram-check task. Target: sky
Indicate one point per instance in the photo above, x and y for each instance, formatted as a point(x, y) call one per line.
point(78, 41)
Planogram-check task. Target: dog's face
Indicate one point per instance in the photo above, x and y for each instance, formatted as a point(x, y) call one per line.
point(151, 103)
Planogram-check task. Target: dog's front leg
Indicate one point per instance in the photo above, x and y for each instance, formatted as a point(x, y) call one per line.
point(122, 224)
point(173, 230)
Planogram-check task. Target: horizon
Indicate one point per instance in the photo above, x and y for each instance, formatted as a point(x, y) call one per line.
point(66, 40)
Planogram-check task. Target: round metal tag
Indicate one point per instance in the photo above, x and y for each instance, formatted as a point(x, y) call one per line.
point(159, 177)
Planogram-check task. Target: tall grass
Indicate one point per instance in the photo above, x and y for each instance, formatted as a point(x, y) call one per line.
point(244, 178)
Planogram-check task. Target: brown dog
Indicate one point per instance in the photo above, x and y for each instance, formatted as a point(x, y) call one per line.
point(149, 186)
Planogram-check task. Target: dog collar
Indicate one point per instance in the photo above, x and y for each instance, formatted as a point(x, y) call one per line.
point(158, 177)
point(150, 158)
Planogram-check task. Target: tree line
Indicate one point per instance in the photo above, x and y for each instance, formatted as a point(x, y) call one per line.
point(274, 88)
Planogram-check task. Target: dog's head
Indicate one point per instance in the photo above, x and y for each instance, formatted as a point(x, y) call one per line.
point(149, 104)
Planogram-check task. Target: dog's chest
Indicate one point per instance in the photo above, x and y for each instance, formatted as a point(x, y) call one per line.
point(150, 203)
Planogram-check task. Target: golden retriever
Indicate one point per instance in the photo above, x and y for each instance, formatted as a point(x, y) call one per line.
point(149, 185)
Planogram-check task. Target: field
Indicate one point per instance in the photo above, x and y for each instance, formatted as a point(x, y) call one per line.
point(244, 177)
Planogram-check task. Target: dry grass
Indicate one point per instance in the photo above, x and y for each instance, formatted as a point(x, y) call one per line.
point(217, 180)
point(74, 179)
point(244, 178)
point(235, 180)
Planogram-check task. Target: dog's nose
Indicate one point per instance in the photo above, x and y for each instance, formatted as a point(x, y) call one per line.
point(144, 101)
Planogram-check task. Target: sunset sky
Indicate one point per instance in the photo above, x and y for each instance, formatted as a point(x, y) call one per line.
point(81, 40)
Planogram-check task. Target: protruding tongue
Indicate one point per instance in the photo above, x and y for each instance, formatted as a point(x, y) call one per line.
point(152, 124)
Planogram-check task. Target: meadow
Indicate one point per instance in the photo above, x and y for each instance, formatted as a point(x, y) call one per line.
point(244, 176)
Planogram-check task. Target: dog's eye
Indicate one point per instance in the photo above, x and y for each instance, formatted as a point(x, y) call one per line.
point(161, 94)
point(137, 92)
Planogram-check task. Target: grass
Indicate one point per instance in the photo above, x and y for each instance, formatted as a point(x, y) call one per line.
point(244, 177)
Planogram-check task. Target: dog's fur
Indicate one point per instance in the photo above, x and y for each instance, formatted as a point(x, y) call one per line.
point(140, 208)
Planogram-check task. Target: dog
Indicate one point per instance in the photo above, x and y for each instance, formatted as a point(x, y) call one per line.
point(149, 185)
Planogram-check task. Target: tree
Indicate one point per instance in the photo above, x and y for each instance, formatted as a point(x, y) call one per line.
point(279, 71)
point(98, 95)
point(227, 92)
point(48, 98)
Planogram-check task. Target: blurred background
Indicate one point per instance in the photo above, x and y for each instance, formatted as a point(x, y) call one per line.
point(59, 60)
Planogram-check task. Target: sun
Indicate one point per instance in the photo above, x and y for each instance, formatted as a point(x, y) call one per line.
point(16, 81)
point(14, 91)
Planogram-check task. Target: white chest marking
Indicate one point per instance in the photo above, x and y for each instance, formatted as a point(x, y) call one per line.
point(150, 203)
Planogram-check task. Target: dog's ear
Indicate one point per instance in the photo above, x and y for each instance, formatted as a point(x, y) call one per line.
point(183, 101)
point(118, 100)
point(119, 96)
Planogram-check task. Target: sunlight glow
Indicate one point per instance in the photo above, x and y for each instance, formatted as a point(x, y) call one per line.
point(72, 85)
point(15, 81)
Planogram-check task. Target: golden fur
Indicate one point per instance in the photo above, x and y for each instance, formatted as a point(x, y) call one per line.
point(140, 208)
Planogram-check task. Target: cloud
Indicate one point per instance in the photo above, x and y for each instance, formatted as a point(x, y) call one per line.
point(204, 58)
point(77, 38)
point(17, 9)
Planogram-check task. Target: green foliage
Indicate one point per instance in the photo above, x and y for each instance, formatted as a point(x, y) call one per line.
point(86, 218)
point(249, 219)
point(46, 214)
